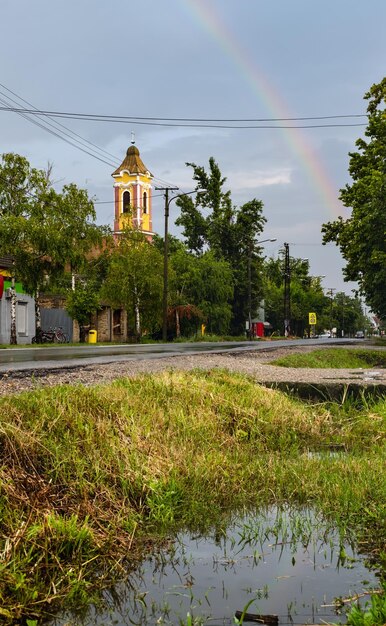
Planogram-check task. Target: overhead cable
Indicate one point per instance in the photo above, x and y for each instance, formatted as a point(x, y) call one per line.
point(189, 122)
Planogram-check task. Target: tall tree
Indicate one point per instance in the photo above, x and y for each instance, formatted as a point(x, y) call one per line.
point(46, 232)
point(21, 188)
point(362, 237)
point(134, 281)
point(206, 282)
point(229, 232)
point(201, 289)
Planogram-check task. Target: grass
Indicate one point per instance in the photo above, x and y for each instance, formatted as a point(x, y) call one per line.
point(91, 477)
point(337, 358)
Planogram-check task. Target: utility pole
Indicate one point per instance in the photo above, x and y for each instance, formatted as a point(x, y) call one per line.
point(13, 336)
point(330, 292)
point(251, 244)
point(250, 290)
point(287, 291)
point(166, 262)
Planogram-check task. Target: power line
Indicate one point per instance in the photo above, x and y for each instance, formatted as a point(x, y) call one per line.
point(181, 123)
point(56, 134)
point(56, 124)
point(156, 195)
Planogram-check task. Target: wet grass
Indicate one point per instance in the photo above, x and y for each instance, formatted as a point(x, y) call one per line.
point(337, 358)
point(90, 477)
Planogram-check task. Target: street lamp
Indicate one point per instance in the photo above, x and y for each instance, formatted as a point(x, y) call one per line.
point(166, 251)
point(250, 282)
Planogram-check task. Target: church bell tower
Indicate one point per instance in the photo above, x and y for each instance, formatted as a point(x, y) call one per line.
point(133, 194)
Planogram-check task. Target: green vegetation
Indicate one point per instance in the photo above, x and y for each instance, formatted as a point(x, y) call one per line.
point(372, 614)
point(361, 238)
point(339, 358)
point(45, 231)
point(134, 281)
point(89, 475)
point(342, 312)
point(217, 277)
point(211, 221)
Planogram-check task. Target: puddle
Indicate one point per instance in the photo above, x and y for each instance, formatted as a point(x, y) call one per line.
point(291, 565)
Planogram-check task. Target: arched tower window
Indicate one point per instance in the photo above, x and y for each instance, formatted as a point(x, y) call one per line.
point(144, 204)
point(126, 202)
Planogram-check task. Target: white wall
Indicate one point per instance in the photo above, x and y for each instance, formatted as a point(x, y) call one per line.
point(25, 318)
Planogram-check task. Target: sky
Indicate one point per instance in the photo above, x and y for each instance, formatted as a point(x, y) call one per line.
point(216, 60)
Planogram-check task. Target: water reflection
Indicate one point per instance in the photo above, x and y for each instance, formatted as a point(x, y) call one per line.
point(290, 563)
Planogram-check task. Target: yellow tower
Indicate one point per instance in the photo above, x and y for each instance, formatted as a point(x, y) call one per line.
point(133, 191)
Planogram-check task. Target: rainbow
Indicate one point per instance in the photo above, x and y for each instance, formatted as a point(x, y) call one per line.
point(212, 22)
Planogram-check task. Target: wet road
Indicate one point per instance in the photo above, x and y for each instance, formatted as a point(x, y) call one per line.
point(19, 359)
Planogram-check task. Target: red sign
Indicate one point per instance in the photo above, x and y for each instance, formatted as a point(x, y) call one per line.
point(1, 285)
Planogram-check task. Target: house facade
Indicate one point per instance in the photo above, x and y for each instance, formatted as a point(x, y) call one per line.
point(25, 307)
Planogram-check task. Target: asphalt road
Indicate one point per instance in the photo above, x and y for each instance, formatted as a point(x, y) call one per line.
point(32, 358)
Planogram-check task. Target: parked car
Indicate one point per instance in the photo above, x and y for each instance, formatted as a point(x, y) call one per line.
point(325, 335)
point(359, 334)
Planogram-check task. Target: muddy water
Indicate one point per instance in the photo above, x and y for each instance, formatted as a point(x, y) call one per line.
point(289, 564)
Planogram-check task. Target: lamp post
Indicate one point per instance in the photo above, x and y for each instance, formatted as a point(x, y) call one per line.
point(251, 242)
point(166, 252)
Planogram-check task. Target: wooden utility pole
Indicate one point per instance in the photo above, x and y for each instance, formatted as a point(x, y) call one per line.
point(330, 292)
point(287, 291)
point(166, 262)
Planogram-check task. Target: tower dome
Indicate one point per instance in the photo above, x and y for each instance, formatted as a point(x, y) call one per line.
point(132, 163)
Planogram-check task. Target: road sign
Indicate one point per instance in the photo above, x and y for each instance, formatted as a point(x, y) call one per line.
point(312, 319)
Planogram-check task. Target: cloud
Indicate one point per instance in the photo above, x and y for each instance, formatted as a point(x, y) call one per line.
point(252, 180)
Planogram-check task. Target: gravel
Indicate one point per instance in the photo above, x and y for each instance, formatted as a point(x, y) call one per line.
point(255, 364)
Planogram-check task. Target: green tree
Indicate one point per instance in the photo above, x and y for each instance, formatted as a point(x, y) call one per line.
point(134, 281)
point(211, 290)
point(361, 238)
point(347, 314)
point(201, 289)
point(81, 303)
point(20, 189)
point(306, 295)
point(47, 232)
point(227, 231)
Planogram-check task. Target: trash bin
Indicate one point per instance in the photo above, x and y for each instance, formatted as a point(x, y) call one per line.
point(92, 336)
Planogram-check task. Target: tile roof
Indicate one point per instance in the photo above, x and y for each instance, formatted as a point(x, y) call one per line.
point(132, 163)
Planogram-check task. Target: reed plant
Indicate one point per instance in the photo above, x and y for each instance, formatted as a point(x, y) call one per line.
point(91, 477)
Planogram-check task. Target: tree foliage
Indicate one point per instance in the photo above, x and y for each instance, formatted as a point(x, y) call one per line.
point(82, 302)
point(134, 281)
point(212, 223)
point(45, 231)
point(204, 282)
point(338, 311)
point(362, 237)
